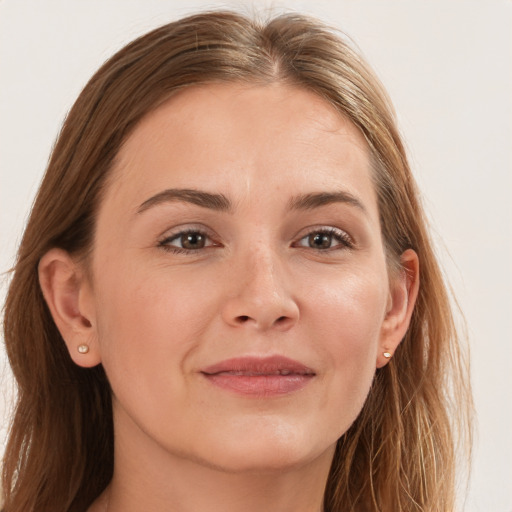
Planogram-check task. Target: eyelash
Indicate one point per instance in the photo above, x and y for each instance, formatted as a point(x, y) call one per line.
point(164, 244)
point(343, 238)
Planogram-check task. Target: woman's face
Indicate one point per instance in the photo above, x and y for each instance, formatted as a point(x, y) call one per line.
point(239, 285)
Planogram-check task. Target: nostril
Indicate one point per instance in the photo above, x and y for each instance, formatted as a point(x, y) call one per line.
point(281, 322)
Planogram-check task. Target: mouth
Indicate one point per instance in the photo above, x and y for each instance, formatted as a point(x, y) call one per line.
point(264, 377)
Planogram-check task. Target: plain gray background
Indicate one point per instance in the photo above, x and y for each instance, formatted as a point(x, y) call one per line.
point(447, 65)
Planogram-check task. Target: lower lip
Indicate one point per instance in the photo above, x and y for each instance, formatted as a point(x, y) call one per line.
point(260, 385)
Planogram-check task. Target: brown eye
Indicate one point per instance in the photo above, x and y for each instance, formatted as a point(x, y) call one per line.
point(187, 241)
point(192, 241)
point(320, 240)
point(326, 239)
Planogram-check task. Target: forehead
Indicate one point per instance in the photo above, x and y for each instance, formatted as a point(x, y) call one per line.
point(241, 138)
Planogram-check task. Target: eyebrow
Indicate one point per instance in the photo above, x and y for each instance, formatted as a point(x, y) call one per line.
point(220, 202)
point(315, 200)
point(217, 202)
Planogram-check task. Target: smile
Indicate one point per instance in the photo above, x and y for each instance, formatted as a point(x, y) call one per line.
point(259, 377)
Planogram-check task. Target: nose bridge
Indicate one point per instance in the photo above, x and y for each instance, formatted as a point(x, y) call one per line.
point(262, 295)
point(261, 270)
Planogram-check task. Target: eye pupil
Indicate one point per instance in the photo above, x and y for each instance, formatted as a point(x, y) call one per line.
point(320, 240)
point(192, 241)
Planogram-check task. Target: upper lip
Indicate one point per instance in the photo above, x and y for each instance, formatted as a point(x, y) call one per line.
point(253, 366)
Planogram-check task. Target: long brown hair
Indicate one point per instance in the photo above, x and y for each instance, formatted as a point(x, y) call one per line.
point(399, 454)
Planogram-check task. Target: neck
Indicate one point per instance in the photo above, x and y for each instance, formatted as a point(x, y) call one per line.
point(148, 478)
point(195, 490)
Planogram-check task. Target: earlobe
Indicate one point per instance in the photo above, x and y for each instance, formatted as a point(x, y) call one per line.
point(69, 298)
point(402, 299)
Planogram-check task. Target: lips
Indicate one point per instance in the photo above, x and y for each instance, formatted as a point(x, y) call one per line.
point(254, 376)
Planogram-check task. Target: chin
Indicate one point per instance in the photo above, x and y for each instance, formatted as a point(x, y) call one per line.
point(266, 451)
point(258, 462)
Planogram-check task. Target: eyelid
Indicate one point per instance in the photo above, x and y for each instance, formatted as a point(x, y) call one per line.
point(346, 241)
point(174, 233)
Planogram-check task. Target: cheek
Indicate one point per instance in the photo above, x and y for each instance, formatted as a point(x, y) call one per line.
point(348, 314)
point(351, 310)
point(147, 324)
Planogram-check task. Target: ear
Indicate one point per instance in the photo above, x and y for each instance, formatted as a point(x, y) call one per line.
point(69, 296)
point(403, 292)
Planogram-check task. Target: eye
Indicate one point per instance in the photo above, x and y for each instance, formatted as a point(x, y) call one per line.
point(325, 239)
point(187, 241)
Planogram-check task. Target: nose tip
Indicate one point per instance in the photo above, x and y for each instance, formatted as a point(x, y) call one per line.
point(261, 299)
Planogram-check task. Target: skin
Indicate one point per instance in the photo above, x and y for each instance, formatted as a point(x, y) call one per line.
point(155, 317)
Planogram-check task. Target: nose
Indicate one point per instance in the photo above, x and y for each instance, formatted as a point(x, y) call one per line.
point(261, 294)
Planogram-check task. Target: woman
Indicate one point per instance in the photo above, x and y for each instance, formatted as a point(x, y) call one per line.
point(222, 270)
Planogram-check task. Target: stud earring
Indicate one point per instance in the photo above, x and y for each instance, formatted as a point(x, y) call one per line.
point(83, 349)
point(386, 354)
